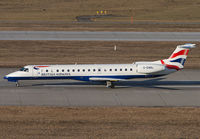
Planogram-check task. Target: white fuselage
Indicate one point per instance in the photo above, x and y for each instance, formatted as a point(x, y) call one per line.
point(91, 72)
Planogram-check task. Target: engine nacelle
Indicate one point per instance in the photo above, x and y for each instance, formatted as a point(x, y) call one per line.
point(148, 68)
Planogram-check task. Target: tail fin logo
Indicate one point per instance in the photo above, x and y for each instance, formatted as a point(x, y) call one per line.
point(178, 57)
point(179, 60)
point(38, 67)
point(170, 66)
point(182, 52)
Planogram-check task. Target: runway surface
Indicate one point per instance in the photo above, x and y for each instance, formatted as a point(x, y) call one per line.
point(179, 89)
point(100, 36)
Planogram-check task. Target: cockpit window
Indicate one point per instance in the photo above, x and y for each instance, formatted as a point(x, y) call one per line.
point(24, 69)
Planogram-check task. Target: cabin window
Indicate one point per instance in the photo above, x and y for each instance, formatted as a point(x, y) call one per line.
point(99, 69)
point(46, 70)
point(57, 70)
point(83, 70)
point(115, 69)
point(125, 69)
point(94, 70)
point(110, 69)
point(63, 70)
point(120, 69)
point(68, 70)
point(131, 69)
point(78, 70)
point(105, 70)
point(73, 70)
point(88, 70)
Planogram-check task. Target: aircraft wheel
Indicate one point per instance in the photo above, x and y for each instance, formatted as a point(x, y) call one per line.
point(110, 84)
point(17, 84)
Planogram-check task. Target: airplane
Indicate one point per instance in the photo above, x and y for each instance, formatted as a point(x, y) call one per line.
point(108, 73)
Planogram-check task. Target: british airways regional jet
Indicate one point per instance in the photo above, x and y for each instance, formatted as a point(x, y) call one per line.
point(108, 73)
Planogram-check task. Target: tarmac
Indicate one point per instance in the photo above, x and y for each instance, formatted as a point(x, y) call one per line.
point(100, 36)
point(180, 89)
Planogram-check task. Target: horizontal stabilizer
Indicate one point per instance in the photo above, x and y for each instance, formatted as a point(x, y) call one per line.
point(187, 46)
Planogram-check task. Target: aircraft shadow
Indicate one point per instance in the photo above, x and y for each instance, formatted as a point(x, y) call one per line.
point(159, 84)
point(151, 83)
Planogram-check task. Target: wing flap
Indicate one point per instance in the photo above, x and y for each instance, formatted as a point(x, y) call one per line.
point(105, 79)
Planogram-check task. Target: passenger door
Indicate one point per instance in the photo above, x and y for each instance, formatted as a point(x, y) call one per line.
point(37, 72)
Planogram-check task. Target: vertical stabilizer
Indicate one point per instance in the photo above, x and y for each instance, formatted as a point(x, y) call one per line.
point(178, 57)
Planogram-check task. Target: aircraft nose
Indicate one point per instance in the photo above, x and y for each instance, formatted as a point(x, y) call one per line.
point(6, 77)
point(10, 77)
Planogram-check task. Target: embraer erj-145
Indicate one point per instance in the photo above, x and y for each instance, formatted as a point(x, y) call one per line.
point(108, 73)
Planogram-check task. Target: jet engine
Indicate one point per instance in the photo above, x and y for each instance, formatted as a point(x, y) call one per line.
point(148, 68)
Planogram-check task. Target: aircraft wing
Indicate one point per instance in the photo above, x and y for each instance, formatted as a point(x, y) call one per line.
point(105, 79)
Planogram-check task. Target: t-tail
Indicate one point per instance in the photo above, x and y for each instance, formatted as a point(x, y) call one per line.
point(178, 57)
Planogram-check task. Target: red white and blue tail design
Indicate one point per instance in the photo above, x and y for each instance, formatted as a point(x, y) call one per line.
point(178, 57)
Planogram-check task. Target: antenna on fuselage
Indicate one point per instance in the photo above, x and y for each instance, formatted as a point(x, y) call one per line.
point(115, 48)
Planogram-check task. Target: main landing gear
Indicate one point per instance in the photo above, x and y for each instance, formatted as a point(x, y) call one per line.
point(17, 84)
point(110, 84)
